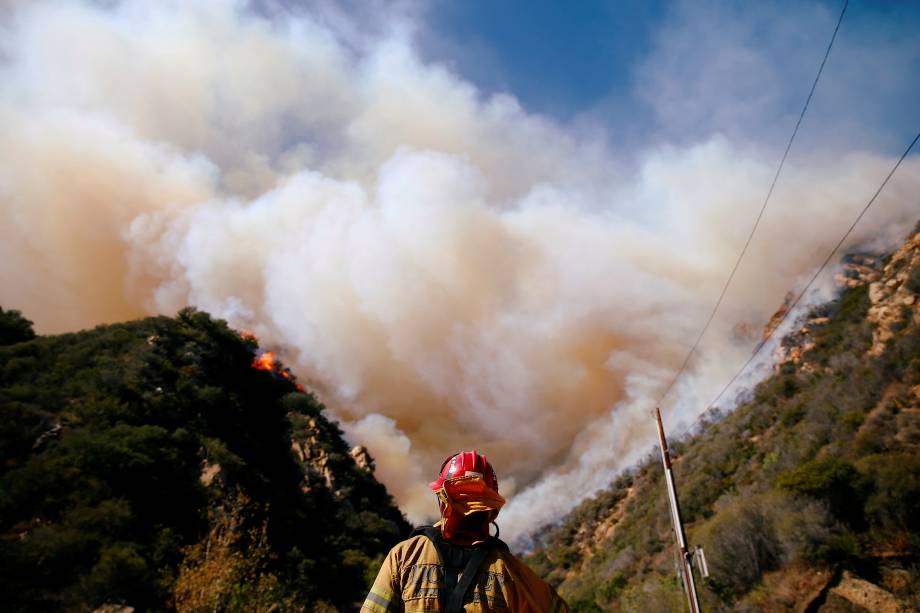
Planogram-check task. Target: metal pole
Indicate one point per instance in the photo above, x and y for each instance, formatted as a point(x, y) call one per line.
point(686, 570)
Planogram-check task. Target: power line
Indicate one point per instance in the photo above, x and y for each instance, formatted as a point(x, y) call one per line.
point(763, 208)
point(814, 277)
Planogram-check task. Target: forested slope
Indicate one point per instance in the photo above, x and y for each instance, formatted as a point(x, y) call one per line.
point(806, 497)
point(149, 464)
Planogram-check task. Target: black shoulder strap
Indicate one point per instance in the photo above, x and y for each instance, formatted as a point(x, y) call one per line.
point(434, 535)
point(480, 552)
point(455, 599)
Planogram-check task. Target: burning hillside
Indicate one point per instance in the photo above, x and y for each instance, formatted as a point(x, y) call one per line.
point(805, 498)
point(265, 360)
point(163, 469)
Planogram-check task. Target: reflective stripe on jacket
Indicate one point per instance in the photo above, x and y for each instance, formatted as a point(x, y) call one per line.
point(412, 578)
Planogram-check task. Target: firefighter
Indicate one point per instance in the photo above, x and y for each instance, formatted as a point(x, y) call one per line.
point(456, 565)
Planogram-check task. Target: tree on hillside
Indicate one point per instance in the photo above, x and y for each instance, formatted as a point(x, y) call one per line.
point(14, 328)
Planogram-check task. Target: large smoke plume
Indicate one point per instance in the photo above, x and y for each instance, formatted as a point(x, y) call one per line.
point(448, 270)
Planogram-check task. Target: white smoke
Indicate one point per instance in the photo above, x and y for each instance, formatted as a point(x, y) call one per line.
point(448, 269)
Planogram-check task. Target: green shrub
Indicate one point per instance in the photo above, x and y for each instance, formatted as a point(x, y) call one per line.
point(584, 605)
point(894, 502)
point(834, 481)
point(612, 588)
point(741, 543)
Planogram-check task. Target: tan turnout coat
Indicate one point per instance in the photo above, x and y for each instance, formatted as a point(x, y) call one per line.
point(412, 575)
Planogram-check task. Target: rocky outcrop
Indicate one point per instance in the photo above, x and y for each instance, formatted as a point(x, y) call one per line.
point(892, 294)
point(855, 595)
point(362, 458)
point(855, 269)
point(313, 456)
point(796, 344)
point(858, 269)
point(778, 316)
point(209, 473)
point(893, 297)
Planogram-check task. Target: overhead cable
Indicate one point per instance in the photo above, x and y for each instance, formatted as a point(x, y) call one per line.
point(763, 208)
point(805, 289)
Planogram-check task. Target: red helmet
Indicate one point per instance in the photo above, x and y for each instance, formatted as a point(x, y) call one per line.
point(465, 464)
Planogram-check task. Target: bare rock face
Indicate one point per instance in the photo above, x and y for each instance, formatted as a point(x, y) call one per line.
point(893, 296)
point(362, 458)
point(309, 450)
point(210, 472)
point(778, 316)
point(858, 269)
point(796, 344)
point(855, 595)
point(331, 466)
point(893, 289)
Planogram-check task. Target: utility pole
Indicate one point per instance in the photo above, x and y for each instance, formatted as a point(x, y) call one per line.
point(686, 570)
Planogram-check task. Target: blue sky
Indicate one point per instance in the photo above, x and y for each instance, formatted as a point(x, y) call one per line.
point(558, 60)
point(677, 71)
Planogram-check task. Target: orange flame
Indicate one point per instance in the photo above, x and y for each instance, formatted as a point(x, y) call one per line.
point(247, 335)
point(266, 361)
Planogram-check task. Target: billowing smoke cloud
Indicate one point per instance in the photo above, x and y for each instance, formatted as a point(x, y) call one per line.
point(448, 270)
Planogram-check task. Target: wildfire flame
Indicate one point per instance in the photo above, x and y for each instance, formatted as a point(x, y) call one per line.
point(247, 335)
point(266, 361)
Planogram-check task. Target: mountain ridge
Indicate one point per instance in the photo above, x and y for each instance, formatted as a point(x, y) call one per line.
point(154, 465)
point(802, 496)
